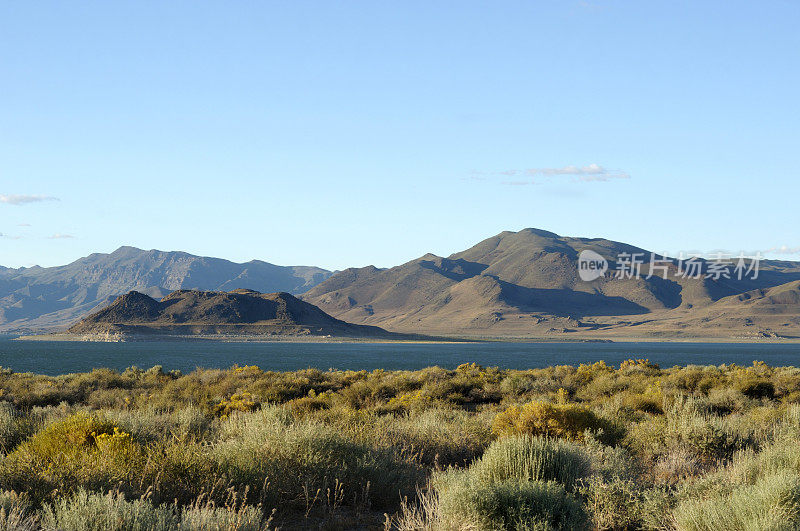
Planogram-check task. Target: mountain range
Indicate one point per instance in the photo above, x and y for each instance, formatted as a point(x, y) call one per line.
point(527, 284)
point(43, 298)
point(523, 284)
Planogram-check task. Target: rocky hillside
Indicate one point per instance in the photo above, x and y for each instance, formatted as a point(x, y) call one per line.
point(238, 312)
point(42, 298)
point(525, 283)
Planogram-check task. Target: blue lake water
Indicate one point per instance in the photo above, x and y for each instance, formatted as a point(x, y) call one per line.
point(56, 357)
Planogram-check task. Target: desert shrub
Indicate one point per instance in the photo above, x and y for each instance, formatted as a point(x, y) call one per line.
point(610, 462)
point(639, 367)
point(646, 403)
point(466, 502)
point(15, 512)
point(708, 437)
point(14, 426)
point(308, 404)
point(690, 425)
point(773, 502)
point(237, 402)
point(587, 372)
point(688, 379)
point(656, 508)
point(568, 421)
point(150, 424)
point(677, 466)
point(614, 504)
point(727, 400)
point(434, 437)
point(406, 402)
point(533, 382)
point(753, 387)
point(647, 438)
point(604, 385)
point(292, 461)
point(179, 469)
point(208, 517)
point(532, 459)
point(79, 451)
point(110, 512)
point(750, 466)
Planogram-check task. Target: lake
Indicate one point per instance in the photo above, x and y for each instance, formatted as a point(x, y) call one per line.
point(60, 357)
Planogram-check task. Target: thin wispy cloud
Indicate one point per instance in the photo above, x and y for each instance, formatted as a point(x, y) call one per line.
point(8, 236)
point(17, 199)
point(591, 173)
point(59, 236)
point(783, 249)
point(23, 224)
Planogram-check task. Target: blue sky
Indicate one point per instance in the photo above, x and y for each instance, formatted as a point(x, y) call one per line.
point(350, 133)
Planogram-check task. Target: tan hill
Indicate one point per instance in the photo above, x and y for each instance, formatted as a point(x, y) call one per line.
point(526, 283)
point(235, 313)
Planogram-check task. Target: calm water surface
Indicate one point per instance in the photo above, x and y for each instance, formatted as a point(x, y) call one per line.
point(57, 357)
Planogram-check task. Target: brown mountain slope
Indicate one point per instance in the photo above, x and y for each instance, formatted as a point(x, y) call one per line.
point(760, 313)
point(238, 312)
point(522, 283)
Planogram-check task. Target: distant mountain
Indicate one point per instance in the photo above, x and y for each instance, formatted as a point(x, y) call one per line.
point(526, 283)
point(235, 313)
point(40, 298)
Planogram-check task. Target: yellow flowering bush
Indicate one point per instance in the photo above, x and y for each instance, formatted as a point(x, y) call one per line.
point(565, 421)
point(412, 401)
point(80, 451)
point(243, 401)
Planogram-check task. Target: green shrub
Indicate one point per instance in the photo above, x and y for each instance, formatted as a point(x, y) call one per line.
point(434, 437)
point(750, 466)
point(179, 469)
point(529, 458)
point(614, 504)
point(690, 425)
point(110, 512)
point(14, 426)
point(208, 517)
point(773, 502)
point(513, 504)
point(151, 424)
point(291, 462)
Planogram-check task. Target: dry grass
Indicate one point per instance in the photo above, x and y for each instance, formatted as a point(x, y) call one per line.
point(635, 447)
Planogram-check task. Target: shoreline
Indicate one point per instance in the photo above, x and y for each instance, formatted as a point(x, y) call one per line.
point(455, 339)
point(75, 338)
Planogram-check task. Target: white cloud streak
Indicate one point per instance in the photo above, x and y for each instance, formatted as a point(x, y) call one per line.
point(591, 173)
point(59, 236)
point(15, 199)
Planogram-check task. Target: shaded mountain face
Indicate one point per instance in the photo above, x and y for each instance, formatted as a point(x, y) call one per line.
point(519, 283)
point(42, 298)
point(238, 312)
